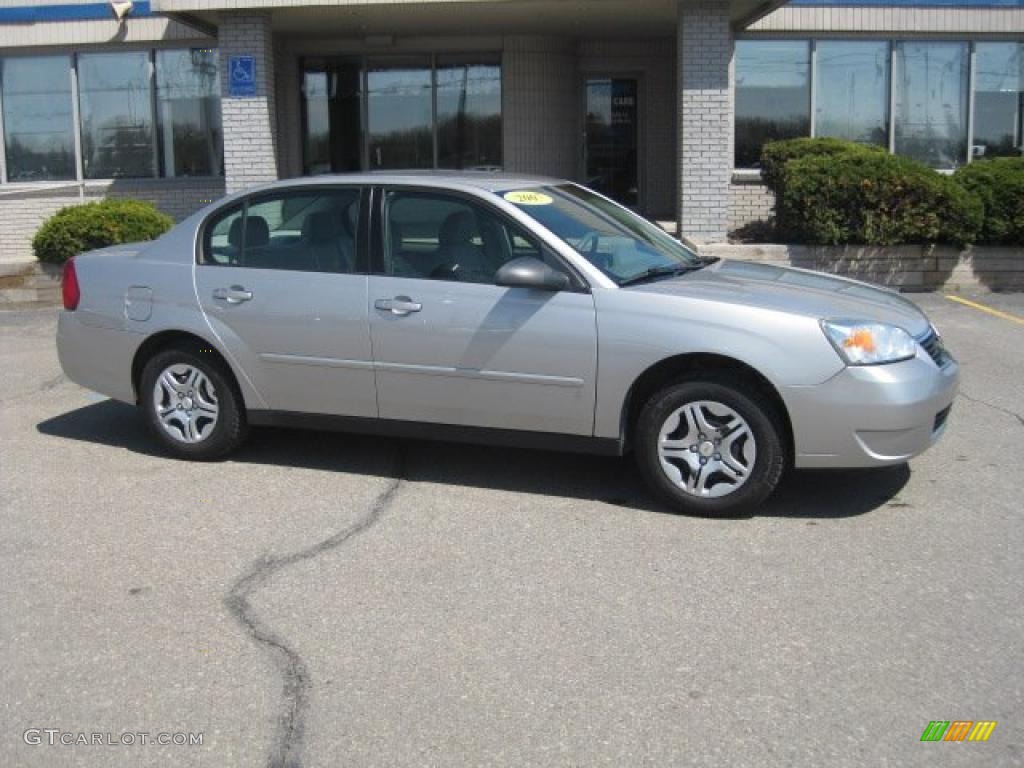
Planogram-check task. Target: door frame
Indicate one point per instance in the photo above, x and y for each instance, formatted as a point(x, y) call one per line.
point(641, 131)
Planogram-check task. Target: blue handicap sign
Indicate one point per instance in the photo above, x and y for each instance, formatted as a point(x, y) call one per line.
point(241, 76)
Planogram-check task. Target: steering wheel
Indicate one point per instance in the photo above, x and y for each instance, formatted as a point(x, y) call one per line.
point(447, 271)
point(591, 238)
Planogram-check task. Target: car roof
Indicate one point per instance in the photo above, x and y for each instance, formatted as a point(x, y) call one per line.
point(490, 181)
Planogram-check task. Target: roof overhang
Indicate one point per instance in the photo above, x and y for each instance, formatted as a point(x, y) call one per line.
point(353, 18)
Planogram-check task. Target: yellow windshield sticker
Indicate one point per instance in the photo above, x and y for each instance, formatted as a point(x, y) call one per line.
point(528, 198)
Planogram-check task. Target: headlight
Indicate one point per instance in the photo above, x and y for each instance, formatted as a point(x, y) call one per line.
point(869, 343)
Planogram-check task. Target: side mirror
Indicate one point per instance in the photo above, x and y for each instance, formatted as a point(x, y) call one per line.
point(528, 272)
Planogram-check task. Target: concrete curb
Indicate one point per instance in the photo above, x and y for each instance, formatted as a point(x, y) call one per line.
point(30, 284)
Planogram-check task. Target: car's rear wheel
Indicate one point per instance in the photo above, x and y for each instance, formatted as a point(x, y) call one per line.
point(712, 447)
point(191, 404)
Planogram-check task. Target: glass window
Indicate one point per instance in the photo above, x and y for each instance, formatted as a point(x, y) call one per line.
point(611, 144)
point(624, 246)
point(301, 231)
point(38, 118)
point(930, 81)
point(318, 122)
point(400, 114)
point(222, 237)
point(116, 108)
point(440, 237)
point(334, 117)
point(469, 113)
point(998, 99)
point(772, 95)
point(188, 95)
point(852, 90)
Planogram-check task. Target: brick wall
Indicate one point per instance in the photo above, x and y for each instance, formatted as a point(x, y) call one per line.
point(705, 51)
point(541, 106)
point(24, 210)
point(749, 201)
point(250, 123)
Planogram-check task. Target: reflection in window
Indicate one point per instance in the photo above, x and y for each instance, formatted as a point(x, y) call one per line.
point(333, 101)
point(469, 113)
point(188, 94)
point(318, 122)
point(852, 90)
point(998, 99)
point(930, 82)
point(38, 118)
point(400, 115)
point(772, 95)
point(117, 115)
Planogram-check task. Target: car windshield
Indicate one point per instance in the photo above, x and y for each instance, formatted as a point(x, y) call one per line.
point(624, 246)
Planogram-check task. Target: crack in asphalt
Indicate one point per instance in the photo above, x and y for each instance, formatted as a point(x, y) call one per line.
point(286, 748)
point(46, 386)
point(1017, 416)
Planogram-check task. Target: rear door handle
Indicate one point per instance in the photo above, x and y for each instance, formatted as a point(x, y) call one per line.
point(236, 294)
point(400, 305)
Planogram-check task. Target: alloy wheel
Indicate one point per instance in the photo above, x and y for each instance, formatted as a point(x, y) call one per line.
point(706, 449)
point(185, 402)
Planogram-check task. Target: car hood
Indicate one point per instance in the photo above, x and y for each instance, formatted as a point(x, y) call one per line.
point(797, 291)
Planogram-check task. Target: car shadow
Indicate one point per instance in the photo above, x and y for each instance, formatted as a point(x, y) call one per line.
point(817, 494)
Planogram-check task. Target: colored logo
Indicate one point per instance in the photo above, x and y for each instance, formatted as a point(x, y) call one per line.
point(958, 730)
point(528, 198)
point(241, 76)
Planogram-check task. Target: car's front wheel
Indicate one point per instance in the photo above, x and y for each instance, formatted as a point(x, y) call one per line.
point(709, 448)
point(191, 404)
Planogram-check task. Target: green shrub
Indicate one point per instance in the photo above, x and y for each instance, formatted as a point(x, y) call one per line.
point(776, 154)
point(873, 198)
point(80, 228)
point(999, 184)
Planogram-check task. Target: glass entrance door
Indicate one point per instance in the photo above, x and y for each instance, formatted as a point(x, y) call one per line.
point(613, 139)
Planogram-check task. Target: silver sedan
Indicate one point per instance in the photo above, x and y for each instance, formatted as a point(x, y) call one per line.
point(502, 309)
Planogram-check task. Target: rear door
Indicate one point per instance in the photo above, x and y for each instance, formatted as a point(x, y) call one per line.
point(282, 279)
point(450, 346)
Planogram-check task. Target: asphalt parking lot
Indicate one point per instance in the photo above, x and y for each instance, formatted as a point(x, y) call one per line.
point(326, 600)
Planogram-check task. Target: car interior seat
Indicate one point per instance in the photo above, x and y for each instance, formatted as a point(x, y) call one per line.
point(458, 255)
point(257, 235)
point(329, 247)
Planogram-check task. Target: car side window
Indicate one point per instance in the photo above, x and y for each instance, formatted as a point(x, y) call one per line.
point(218, 247)
point(433, 236)
point(301, 231)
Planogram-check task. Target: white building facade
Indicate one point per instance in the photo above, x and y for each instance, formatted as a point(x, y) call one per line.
point(661, 104)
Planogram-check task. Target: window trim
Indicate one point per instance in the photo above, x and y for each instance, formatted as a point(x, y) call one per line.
point(72, 53)
point(243, 202)
point(970, 40)
point(436, 60)
point(577, 282)
point(73, 94)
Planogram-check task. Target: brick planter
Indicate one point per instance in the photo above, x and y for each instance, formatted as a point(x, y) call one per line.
point(907, 267)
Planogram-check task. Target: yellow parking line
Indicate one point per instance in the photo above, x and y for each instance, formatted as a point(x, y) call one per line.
point(989, 310)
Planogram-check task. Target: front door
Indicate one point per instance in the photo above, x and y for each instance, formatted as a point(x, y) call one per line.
point(283, 285)
point(613, 139)
point(451, 347)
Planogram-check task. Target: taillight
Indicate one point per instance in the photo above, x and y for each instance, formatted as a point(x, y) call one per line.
point(69, 286)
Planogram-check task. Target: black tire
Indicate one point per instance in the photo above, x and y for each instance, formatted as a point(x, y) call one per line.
point(230, 428)
point(749, 401)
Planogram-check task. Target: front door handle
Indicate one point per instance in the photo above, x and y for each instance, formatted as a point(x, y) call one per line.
point(400, 305)
point(236, 294)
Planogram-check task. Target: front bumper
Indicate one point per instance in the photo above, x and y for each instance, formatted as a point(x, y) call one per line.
point(871, 416)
